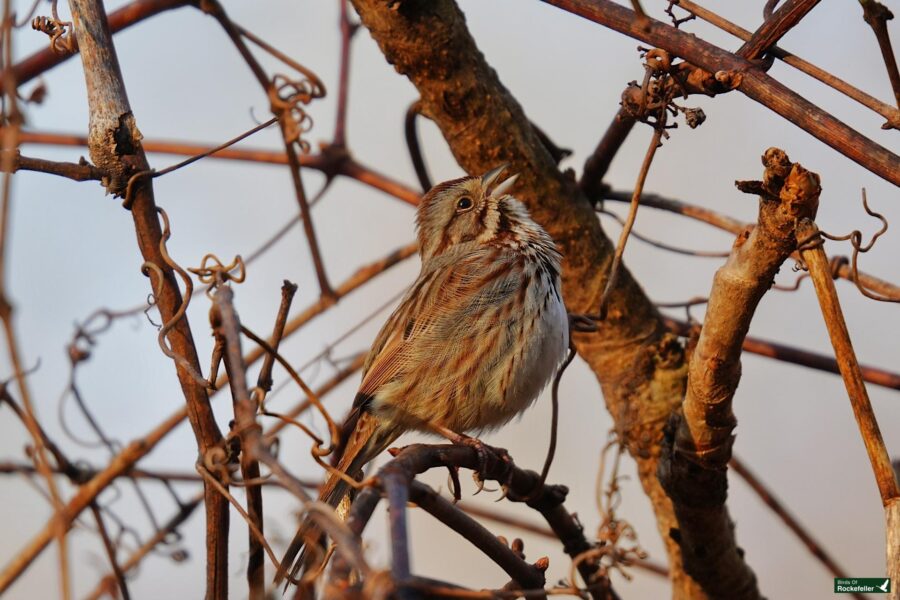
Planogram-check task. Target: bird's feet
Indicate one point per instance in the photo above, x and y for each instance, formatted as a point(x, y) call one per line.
point(492, 463)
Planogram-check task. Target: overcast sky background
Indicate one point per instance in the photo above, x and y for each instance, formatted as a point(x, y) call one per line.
point(72, 250)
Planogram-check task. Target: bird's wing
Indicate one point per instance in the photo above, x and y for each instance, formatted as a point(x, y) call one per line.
point(454, 302)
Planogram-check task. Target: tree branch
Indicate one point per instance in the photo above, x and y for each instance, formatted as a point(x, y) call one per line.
point(890, 113)
point(114, 145)
point(692, 468)
point(745, 77)
point(772, 30)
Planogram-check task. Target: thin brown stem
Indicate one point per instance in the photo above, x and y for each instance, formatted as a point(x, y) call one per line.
point(283, 111)
point(75, 171)
point(226, 327)
point(820, 273)
point(264, 379)
point(774, 504)
point(185, 510)
point(9, 149)
point(842, 268)
point(348, 29)
point(86, 494)
point(597, 164)
point(877, 15)
point(130, 14)
point(612, 280)
point(110, 552)
point(796, 356)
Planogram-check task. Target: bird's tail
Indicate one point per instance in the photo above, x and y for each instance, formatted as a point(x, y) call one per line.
point(365, 441)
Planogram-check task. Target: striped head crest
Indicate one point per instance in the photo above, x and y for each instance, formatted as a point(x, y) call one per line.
point(465, 210)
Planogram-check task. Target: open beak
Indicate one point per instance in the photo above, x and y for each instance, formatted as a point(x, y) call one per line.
point(489, 178)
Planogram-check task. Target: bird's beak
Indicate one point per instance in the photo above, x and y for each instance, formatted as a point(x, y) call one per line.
point(488, 179)
point(504, 186)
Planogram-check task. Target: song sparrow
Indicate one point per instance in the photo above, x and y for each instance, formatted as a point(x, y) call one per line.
point(474, 341)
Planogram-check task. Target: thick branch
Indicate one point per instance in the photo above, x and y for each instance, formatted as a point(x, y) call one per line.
point(114, 145)
point(693, 470)
point(877, 15)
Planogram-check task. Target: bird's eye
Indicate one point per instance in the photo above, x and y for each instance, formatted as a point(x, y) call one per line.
point(464, 203)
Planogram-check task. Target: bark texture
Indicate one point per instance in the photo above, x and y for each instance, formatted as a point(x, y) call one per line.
point(693, 467)
point(115, 147)
point(640, 367)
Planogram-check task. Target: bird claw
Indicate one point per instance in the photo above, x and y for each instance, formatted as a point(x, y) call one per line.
point(479, 483)
point(453, 481)
point(504, 489)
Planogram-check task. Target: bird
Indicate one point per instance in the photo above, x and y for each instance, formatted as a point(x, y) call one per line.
point(473, 342)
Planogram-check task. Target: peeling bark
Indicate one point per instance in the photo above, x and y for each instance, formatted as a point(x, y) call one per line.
point(698, 447)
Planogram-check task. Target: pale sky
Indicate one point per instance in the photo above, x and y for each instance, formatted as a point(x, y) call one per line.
point(72, 250)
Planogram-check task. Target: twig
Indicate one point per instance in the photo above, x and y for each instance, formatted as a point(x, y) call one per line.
point(86, 494)
point(75, 171)
point(160, 537)
point(110, 552)
point(768, 497)
point(844, 269)
point(597, 164)
point(226, 328)
point(523, 486)
point(796, 356)
point(348, 30)
point(411, 135)
point(877, 15)
point(283, 109)
point(130, 14)
point(524, 574)
point(327, 162)
point(554, 420)
point(782, 20)
point(885, 477)
point(9, 144)
point(264, 379)
point(361, 276)
point(612, 279)
point(815, 259)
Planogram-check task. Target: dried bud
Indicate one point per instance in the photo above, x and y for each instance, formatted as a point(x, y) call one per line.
point(694, 117)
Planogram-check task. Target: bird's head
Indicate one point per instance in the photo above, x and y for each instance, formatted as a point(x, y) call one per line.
point(469, 209)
